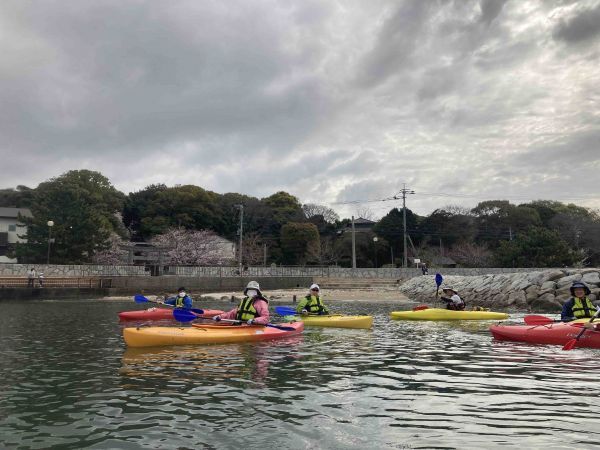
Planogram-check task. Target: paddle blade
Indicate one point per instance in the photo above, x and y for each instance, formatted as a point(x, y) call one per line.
point(140, 299)
point(285, 311)
point(197, 311)
point(537, 320)
point(280, 327)
point(570, 345)
point(182, 315)
point(438, 279)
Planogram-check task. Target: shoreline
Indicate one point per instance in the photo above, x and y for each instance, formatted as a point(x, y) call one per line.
point(287, 295)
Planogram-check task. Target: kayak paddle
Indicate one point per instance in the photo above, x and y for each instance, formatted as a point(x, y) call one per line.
point(569, 345)
point(539, 320)
point(288, 311)
point(438, 281)
point(285, 311)
point(141, 299)
point(184, 315)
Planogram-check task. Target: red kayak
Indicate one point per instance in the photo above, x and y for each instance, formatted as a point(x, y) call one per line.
point(161, 314)
point(552, 334)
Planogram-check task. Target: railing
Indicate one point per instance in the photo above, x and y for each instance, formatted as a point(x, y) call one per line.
point(55, 282)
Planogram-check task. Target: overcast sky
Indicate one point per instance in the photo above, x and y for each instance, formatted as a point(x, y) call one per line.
point(332, 101)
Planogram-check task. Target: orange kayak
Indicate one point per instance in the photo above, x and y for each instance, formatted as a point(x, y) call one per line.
point(207, 334)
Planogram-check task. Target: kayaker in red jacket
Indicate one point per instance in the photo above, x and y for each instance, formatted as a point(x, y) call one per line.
point(253, 309)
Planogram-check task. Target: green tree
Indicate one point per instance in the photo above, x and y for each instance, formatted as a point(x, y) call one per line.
point(20, 197)
point(286, 208)
point(497, 220)
point(300, 243)
point(391, 228)
point(538, 247)
point(158, 208)
point(85, 209)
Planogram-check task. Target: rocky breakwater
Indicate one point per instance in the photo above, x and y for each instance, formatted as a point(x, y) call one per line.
point(542, 291)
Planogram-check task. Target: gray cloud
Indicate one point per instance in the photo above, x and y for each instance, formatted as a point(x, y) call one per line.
point(581, 26)
point(329, 101)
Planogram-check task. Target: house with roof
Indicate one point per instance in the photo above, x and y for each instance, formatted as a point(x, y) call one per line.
point(360, 226)
point(10, 230)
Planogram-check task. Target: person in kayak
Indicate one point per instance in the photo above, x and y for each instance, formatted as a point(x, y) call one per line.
point(579, 306)
point(253, 309)
point(453, 300)
point(312, 303)
point(181, 300)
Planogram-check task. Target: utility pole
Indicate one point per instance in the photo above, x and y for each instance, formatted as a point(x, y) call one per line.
point(405, 191)
point(241, 208)
point(353, 246)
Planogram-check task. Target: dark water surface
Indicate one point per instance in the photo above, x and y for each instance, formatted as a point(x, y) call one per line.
point(67, 381)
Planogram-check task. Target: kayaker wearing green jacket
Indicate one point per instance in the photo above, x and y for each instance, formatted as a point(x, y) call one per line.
point(181, 300)
point(253, 309)
point(312, 303)
point(453, 301)
point(579, 306)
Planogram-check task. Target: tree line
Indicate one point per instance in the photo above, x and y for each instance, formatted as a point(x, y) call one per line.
point(92, 219)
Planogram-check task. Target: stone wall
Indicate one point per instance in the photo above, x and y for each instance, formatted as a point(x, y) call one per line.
point(63, 271)
point(15, 270)
point(334, 272)
point(200, 285)
point(541, 290)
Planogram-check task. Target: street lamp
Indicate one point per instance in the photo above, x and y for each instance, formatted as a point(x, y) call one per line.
point(50, 224)
point(375, 239)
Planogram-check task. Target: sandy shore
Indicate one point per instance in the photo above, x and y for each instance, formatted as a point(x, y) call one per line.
point(287, 295)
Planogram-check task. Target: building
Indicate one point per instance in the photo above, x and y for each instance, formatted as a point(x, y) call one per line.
point(360, 226)
point(10, 230)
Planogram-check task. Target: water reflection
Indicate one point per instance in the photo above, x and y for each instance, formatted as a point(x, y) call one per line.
point(234, 362)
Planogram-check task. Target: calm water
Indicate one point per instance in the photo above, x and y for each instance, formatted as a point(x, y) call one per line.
point(67, 381)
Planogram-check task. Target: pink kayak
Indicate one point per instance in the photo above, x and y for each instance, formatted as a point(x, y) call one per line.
point(161, 314)
point(552, 334)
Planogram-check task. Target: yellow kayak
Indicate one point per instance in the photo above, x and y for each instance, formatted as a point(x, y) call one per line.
point(447, 314)
point(337, 321)
point(206, 334)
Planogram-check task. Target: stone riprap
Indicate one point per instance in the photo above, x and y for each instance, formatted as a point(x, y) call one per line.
point(539, 291)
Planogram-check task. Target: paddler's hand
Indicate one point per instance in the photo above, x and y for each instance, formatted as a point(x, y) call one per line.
point(304, 312)
point(217, 318)
point(250, 321)
point(589, 326)
point(152, 309)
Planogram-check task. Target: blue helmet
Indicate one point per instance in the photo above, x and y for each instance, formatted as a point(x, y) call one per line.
point(579, 284)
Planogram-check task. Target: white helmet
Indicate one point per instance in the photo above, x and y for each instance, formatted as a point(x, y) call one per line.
point(315, 287)
point(252, 285)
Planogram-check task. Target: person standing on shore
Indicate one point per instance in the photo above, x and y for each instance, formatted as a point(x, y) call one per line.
point(181, 300)
point(31, 276)
point(579, 306)
point(41, 279)
point(312, 303)
point(253, 309)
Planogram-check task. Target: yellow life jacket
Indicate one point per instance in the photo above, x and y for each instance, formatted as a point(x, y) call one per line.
point(314, 304)
point(179, 301)
point(583, 308)
point(246, 310)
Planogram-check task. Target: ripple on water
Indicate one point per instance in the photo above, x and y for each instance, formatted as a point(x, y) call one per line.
point(68, 382)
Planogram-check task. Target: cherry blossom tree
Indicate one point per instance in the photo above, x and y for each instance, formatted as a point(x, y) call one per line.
point(194, 247)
